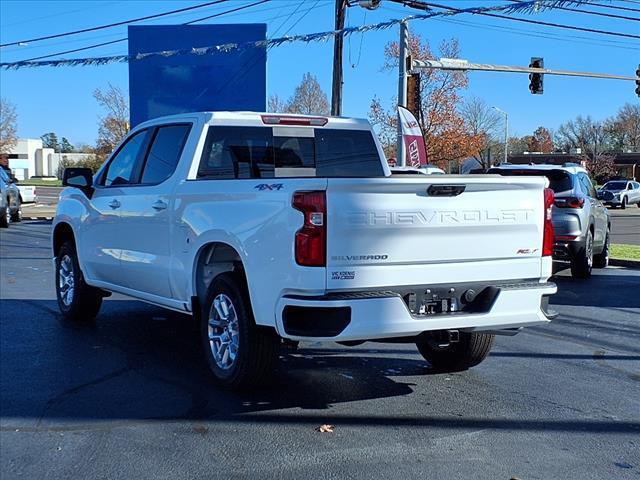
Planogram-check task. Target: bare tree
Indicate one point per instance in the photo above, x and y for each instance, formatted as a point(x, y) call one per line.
point(114, 126)
point(624, 128)
point(483, 122)
point(8, 126)
point(308, 98)
point(276, 104)
point(584, 133)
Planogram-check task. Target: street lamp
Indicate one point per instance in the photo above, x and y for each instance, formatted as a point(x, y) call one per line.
point(506, 132)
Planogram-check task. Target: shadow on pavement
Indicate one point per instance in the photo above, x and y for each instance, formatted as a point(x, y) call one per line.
point(616, 291)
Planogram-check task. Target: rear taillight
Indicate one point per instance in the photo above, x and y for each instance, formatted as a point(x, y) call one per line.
point(287, 120)
point(569, 202)
point(548, 234)
point(311, 239)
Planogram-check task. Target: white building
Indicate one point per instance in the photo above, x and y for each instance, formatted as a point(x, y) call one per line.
point(29, 159)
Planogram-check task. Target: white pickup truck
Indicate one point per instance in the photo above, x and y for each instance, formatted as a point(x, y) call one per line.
point(269, 227)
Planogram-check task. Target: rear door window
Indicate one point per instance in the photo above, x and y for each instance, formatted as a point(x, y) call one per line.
point(164, 153)
point(253, 152)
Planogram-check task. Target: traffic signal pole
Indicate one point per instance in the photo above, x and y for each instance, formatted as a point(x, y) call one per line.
point(402, 89)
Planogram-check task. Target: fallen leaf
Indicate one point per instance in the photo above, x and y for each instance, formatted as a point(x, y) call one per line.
point(325, 428)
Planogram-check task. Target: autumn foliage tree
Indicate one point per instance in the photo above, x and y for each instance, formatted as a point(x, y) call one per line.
point(541, 141)
point(446, 135)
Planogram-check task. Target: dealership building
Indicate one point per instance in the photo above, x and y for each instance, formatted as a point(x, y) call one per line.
point(28, 158)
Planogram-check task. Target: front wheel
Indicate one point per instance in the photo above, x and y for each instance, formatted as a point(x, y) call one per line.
point(470, 350)
point(239, 353)
point(623, 205)
point(77, 300)
point(17, 215)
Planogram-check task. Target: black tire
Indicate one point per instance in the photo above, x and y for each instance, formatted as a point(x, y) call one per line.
point(77, 301)
point(582, 262)
point(623, 205)
point(252, 351)
point(17, 216)
point(601, 260)
point(5, 218)
point(471, 349)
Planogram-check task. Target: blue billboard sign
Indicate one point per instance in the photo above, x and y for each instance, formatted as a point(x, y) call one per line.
point(189, 83)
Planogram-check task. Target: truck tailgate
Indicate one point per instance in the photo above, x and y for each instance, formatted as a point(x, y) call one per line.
point(433, 229)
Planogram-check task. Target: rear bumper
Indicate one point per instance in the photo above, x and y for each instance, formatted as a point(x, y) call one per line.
point(565, 251)
point(379, 315)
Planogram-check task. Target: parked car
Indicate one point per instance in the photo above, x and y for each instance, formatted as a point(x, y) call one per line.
point(27, 193)
point(620, 193)
point(424, 170)
point(581, 222)
point(10, 205)
point(269, 227)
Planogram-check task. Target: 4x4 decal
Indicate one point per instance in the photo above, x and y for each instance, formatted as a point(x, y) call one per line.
point(273, 186)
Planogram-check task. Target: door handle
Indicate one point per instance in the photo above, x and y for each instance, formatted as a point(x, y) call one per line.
point(114, 204)
point(159, 205)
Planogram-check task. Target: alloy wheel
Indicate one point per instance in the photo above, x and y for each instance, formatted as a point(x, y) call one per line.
point(66, 282)
point(223, 331)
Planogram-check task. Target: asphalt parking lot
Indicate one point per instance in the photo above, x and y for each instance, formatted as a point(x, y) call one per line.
point(128, 397)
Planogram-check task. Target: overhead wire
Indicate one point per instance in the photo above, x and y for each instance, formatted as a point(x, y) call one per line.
point(430, 5)
point(589, 12)
point(126, 38)
point(111, 25)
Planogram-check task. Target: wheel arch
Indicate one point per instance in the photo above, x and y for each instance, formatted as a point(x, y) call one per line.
point(62, 232)
point(212, 259)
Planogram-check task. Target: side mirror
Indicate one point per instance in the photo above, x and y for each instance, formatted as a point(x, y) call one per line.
point(81, 178)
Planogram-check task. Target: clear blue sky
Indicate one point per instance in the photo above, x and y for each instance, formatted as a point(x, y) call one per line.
point(60, 99)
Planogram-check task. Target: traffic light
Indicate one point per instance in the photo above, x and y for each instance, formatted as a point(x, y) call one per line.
point(413, 94)
point(638, 81)
point(536, 79)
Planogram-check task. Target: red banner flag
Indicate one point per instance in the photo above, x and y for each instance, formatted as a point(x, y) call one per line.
point(414, 146)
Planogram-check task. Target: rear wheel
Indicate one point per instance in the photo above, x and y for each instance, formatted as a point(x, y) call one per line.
point(601, 260)
point(582, 263)
point(239, 353)
point(77, 300)
point(17, 215)
point(471, 349)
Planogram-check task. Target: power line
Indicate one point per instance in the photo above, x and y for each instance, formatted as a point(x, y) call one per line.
point(614, 7)
point(427, 6)
point(588, 12)
point(126, 38)
point(110, 25)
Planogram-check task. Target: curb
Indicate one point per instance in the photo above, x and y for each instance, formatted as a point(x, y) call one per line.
point(619, 262)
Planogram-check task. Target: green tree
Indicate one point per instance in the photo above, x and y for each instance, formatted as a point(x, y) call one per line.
point(50, 140)
point(65, 146)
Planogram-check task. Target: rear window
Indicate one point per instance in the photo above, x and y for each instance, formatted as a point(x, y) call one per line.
point(253, 152)
point(559, 180)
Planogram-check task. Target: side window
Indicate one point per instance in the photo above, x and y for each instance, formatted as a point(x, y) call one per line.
point(120, 170)
point(164, 153)
point(587, 186)
point(347, 153)
point(237, 152)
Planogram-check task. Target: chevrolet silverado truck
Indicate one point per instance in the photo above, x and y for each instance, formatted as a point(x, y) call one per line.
point(272, 229)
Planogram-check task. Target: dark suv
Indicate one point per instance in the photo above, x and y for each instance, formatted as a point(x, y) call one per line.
point(580, 221)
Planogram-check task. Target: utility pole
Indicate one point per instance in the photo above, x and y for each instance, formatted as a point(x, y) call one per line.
point(402, 89)
point(506, 133)
point(336, 87)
